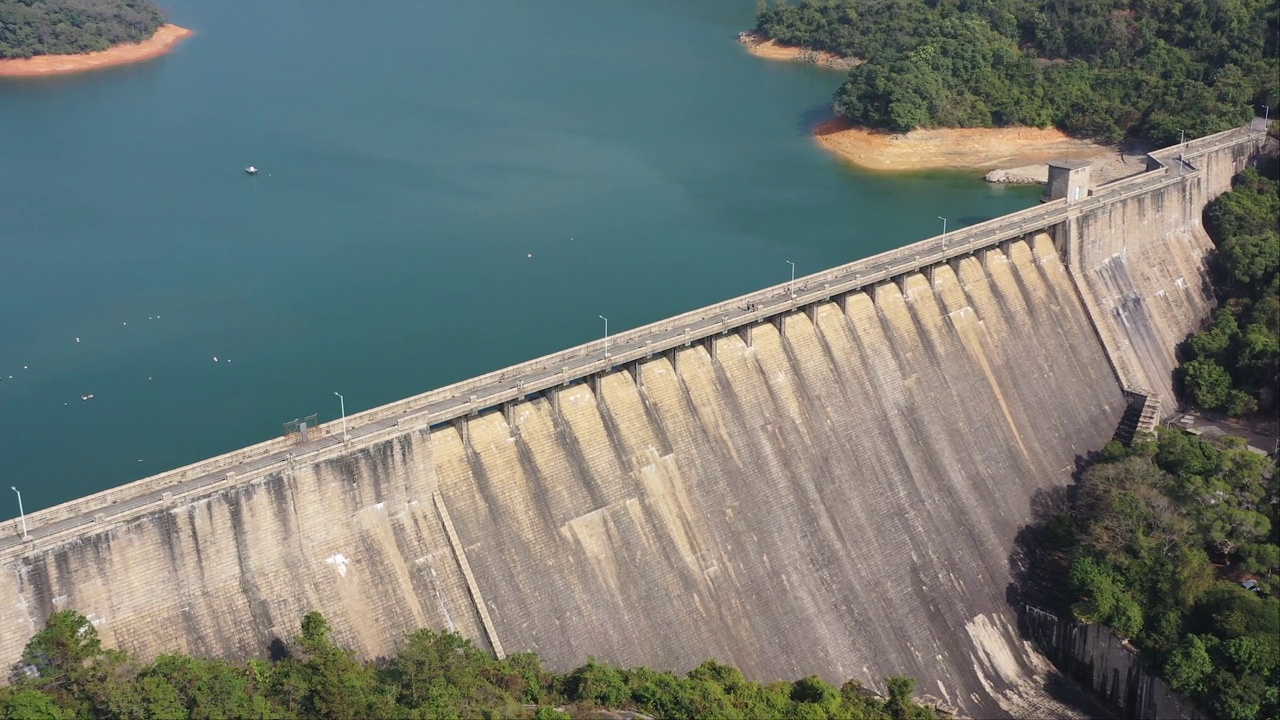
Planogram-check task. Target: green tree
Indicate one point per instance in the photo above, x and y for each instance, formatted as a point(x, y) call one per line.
point(597, 684)
point(1142, 524)
point(1208, 383)
point(1216, 341)
point(1190, 665)
point(322, 680)
point(67, 642)
point(29, 704)
point(1102, 68)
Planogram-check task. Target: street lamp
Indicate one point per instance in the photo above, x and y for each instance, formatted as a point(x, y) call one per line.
point(606, 335)
point(342, 403)
point(21, 513)
point(791, 289)
point(944, 229)
point(1266, 116)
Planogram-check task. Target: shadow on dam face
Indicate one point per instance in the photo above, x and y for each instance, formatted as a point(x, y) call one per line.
point(839, 496)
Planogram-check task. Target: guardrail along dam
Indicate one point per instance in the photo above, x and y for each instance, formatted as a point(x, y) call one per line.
point(820, 478)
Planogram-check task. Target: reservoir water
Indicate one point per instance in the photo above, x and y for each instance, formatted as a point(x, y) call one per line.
point(445, 189)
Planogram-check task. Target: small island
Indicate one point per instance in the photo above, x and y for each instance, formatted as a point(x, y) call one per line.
point(48, 37)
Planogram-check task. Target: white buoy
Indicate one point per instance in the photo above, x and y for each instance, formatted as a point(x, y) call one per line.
point(529, 255)
point(215, 358)
point(77, 339)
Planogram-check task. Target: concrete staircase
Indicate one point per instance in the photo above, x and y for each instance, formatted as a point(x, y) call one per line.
point(1142, 415)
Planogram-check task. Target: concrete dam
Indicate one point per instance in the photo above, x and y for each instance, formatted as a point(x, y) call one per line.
point(823, 477)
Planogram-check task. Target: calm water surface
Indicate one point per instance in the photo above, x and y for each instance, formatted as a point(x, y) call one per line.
point(413, 155)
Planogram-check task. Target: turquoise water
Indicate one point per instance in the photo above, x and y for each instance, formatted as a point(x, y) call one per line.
point(413, 156)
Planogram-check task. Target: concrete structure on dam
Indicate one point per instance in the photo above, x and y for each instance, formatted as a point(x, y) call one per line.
point(820, 478)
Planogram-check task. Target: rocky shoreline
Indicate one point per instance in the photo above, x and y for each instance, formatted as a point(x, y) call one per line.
point(1023, 175)
point(761, 46)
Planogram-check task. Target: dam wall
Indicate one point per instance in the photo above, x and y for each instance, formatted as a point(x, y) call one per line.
point(222, 574)
point(819, 478)
point(837, 498)
point(1140, 264)
point(1099, 659)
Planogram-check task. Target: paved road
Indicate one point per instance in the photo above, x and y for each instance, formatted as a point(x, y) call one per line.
point(462, 399)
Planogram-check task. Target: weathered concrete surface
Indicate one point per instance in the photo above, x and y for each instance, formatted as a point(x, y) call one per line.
point(838, 499)
point(1096, 657)
point(1140, 264)
point(357, 537)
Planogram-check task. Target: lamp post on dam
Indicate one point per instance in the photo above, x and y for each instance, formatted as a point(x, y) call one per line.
point(21, 513)
point(342, 404)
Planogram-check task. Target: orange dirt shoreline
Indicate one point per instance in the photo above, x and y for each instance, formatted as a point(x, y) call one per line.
point(166, 37)
point(956, 148)
point(763, 47)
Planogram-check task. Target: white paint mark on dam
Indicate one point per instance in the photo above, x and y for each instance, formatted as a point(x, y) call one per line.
point(339, 561)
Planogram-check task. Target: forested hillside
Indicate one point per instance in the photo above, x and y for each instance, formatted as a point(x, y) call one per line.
point(65, 673)
point(1099, 68)
point(1234, 364)
point(66, 27)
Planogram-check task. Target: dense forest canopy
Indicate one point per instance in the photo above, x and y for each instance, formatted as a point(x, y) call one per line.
point(1234, 364)
point(1102, 68)
point(66, 673)
point(68, 27)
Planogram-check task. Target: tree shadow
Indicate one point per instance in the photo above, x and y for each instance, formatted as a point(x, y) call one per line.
point(1036, 564)
point(277, 650)
point(1039, 592)
point(809, 120)
point(1033, 565)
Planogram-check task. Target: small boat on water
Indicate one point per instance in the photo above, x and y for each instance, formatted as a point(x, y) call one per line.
point(251, 170)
